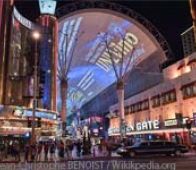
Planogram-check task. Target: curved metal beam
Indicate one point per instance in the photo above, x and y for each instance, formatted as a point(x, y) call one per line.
point(72, 7)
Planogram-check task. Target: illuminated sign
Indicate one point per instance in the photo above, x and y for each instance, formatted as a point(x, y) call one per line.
point(174, 122)
point(47, 6)
point(147, 125)
point(171, 122)
point(41, 114)
point(22, 19)
point(18, 111)
point(139, 126)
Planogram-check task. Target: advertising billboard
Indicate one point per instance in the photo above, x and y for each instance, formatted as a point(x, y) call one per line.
point(18, 111)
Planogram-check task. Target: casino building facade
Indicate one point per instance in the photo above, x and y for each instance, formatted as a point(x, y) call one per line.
point(16, 76)
point(164, 109)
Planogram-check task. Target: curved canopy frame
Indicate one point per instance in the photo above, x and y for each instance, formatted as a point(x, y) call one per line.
point(72, 7)
point(149, 30)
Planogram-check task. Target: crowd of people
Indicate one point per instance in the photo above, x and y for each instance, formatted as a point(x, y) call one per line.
point(59, 150)
point(53, 150)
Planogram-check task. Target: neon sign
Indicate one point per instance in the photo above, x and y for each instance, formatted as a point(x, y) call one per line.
point(147, 125)
point(22, 19)
point(41, 114)
point(139, 126)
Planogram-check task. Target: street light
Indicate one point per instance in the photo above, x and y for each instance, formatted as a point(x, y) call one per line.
point(36, 37)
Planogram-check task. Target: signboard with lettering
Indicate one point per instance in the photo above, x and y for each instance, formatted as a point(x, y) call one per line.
point(41, 114)
point(47, 6)
point(22, 19)
point(174, 122)
point(171, 122)
point(147, 125)
point(139, 126)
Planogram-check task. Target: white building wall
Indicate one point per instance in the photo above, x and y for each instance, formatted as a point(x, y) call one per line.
point(175, 77)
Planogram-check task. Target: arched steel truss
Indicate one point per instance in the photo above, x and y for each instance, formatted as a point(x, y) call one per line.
point(72, 7)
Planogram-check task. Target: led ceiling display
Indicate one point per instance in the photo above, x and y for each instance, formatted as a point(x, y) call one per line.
point(91, 69)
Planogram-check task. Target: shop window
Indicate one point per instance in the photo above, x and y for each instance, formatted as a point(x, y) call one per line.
point(168, 97)
point(132, 108)
point(189, 90)
point(127, 110)
point(145, 105)
point(139, 106)
point(155, 101)
point(172, 96)
point(135, 108)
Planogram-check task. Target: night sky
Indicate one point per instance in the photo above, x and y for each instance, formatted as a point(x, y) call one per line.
point(170, 17)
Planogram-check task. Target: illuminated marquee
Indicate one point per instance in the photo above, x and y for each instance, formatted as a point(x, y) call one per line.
point(139, 126)
point(41, 114)
point(147, 125)
point(174, 122)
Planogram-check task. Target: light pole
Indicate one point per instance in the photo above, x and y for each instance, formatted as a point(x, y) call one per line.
point(36, 36)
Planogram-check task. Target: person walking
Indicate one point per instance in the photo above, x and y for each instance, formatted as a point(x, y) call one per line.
point(52, 151)
point(39, 151)
point(16, 150)
point(46, 151)
point(61, 150)
point(33, 152)
point(2, 149)
point(27, 150)
point(78, 148)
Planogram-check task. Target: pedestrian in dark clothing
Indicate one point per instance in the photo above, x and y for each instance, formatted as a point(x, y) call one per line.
point(78, 147)
point(39, 151)
point(46, 151)
point(33, 152)
point(27, 150)
point(52, 151)
point(61, 150)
